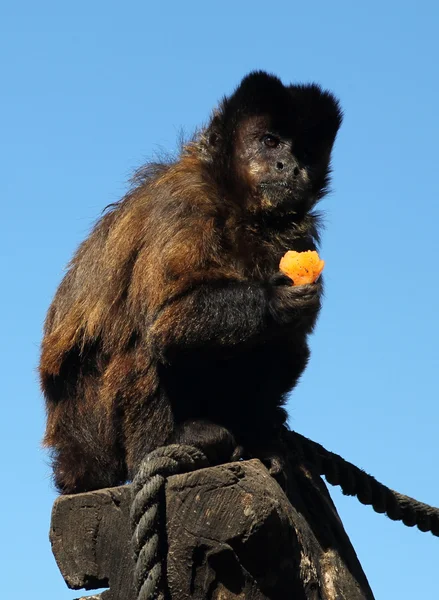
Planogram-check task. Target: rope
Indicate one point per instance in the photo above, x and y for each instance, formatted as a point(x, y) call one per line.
point(148, 490)
point(148, 495)
point(355, 482)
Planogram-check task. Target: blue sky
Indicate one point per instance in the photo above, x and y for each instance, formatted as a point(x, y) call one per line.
point(90, 90)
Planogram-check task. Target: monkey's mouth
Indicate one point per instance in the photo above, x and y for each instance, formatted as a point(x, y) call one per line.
point(281, 191)
point(282, 196)
point(276, 184)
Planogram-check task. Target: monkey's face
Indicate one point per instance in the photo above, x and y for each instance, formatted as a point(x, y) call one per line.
point(269, 145)
point(276, 165)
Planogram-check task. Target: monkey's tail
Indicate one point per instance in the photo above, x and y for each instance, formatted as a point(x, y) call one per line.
point(355, 482)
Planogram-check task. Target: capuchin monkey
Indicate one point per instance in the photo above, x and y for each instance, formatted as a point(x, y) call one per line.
point(173, 323)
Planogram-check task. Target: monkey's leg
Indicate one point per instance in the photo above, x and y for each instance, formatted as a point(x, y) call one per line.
point(217, 442)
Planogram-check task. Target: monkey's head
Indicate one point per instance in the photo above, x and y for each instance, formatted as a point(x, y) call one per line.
point(270, 144)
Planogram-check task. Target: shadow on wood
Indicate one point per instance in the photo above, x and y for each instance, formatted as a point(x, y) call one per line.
point(231, 533)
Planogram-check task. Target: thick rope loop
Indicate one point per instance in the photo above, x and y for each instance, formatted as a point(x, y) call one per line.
point(149, 485)
point(148, 489)
point(355, 482)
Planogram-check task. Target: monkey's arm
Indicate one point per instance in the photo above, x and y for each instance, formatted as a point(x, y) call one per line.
point(226, 313)
point(214, 314)
point(208, 305)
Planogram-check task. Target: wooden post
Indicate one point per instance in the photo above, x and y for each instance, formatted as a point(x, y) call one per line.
point(231, 534)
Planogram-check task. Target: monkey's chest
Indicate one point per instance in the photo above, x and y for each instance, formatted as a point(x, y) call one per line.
point(259, 255)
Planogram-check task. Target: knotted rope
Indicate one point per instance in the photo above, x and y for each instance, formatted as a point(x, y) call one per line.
point(146, 515)
point(147, 519)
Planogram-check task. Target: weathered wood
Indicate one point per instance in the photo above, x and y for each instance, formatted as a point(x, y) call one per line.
point(231, 533)
point(90, 535)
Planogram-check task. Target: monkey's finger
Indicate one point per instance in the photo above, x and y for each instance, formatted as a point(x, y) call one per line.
point(281, 279)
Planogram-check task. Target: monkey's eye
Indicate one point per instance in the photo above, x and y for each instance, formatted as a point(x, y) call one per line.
point(270, 141)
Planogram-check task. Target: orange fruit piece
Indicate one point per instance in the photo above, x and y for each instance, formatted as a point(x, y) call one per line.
point(302, 267)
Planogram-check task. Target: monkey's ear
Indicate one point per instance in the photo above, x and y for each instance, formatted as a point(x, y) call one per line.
point(318, 112)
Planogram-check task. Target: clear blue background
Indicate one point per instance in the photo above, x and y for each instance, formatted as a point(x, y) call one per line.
point(90, 90)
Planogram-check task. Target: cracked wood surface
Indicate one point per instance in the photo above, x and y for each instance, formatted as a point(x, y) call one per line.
point(231, 533)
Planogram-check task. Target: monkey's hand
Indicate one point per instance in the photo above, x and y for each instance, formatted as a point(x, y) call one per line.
point(296, 306)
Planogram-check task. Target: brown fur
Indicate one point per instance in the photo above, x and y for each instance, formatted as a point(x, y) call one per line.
point(139, 326)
